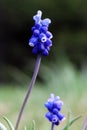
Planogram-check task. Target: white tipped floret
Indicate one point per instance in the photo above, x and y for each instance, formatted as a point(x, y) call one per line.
point(46, 22)
point(49, 20)
point(31, 44)
point(60, 102)
point(51, 95)
point(43, 39)
point(39, 13)
point(37, 17)
point(57, 98)
point(64, 118)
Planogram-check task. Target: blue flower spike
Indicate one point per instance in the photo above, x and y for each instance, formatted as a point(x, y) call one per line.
point(41, 38)
point(54, 105)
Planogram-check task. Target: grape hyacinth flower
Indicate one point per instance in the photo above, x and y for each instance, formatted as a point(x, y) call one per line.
point(41, 43)
point(41, 38)
point(54, 105)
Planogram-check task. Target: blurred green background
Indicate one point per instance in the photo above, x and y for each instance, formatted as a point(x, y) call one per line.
point(63, 72)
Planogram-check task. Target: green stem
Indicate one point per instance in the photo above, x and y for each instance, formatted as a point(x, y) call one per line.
point(38, 61)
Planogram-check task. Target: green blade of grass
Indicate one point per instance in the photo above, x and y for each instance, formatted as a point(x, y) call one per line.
point(71, 122)
point(33, 125)
point(9, 123)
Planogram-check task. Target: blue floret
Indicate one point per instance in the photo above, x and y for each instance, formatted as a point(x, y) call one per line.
point(54, 105)
point(41, 38)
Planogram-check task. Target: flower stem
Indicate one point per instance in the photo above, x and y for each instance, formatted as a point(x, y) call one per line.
point(52, 127)
point(38, 61)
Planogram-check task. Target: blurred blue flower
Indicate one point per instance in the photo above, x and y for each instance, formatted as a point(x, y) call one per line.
point(41, 38)
point(54, 105)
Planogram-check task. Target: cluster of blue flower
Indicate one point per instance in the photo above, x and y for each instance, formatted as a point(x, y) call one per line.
point(54, 105)
point(41, 38)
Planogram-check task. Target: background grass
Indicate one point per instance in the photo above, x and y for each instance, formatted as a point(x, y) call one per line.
point(64, 81)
